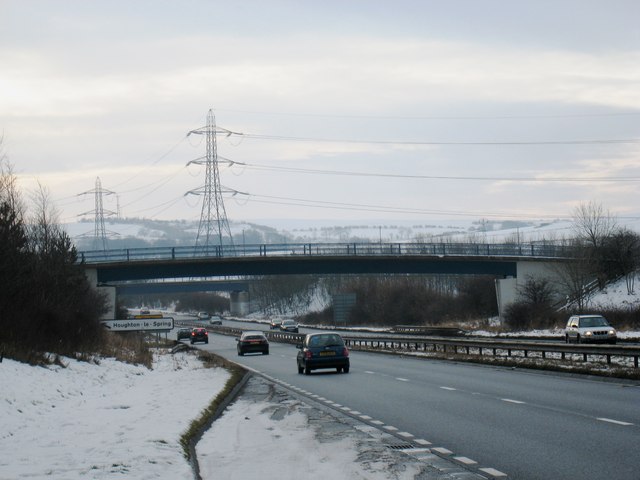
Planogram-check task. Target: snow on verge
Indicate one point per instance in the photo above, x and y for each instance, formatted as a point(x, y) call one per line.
point(105, 421)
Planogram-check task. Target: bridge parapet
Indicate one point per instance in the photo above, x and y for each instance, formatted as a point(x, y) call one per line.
point(530, 250)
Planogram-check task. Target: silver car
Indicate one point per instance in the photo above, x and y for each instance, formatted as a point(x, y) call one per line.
point(589, 329)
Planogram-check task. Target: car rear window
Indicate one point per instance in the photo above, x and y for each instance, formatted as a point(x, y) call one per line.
point(325, 341)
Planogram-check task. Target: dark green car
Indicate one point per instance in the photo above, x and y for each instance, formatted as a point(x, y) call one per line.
point(323, 350)
point(183, 333)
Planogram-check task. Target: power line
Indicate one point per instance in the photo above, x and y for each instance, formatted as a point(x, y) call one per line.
point(439, 143)
point(442, 117)
point(435, 177)
point(269, 199)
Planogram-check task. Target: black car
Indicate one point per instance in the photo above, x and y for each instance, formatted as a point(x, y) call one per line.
point(199, 335)
point(183, 333)
point(252, 342)
point(289, 326)
point(323, 350)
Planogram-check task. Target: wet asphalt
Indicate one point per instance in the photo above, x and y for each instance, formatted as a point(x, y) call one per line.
point(375, 446)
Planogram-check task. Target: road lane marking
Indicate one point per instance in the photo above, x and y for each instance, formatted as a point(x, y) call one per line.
point(402, 379)
point(369, 372)
point(442, 450)
point(377, 422)
point(420, 441)
point(406, 434)
point(509, 400)
point(365, 417)
point(465, 460)
point(390, 428)
point(493, 472)
point(617, 422)
point(451, 389)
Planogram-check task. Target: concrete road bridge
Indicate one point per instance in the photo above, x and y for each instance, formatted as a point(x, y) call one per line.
point(510, 264)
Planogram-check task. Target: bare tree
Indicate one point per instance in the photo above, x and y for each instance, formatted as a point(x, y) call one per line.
point(575, 278)
point(620, 256)
point(592, 223)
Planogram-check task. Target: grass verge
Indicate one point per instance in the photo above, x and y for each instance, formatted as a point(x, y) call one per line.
point(198, 426)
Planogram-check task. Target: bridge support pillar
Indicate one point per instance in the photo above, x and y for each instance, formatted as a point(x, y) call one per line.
point(506, 293)
point(507, 289)
point(109, 292)
point(239, 303)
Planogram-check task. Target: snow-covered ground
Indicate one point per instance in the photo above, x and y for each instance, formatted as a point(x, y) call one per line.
point(99, 421)
point(111, 420)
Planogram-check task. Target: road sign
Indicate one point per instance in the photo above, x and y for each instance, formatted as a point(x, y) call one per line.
point(139, 324)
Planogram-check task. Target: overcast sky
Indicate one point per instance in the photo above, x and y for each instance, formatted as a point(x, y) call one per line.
point(350, 110)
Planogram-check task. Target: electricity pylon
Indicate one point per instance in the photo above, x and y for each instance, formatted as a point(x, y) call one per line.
point(213, 224)
point(100, 233)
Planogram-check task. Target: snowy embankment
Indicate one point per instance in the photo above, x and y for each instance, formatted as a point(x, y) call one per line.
point(99, 421)
point(111, 420)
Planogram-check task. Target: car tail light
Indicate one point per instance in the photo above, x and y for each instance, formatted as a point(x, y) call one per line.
point(308, 354)
point(345, 352)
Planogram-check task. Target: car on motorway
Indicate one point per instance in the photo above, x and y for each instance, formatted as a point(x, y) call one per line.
point(252, 342)
point(203, 316)
point(322, 350)
point(183, 333)
point(215, 320)
point(589, 329)
point(199, 335)
point(275, 324)
point(289, 326)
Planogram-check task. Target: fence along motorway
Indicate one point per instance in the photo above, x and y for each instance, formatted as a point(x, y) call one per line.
point(497, 348)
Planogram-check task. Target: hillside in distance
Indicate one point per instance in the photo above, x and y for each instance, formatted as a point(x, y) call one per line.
point(141, 233)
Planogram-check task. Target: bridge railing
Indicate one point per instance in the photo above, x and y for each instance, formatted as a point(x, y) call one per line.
point(327, 249)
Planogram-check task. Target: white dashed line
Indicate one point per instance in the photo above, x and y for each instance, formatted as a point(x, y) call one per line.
point(449, 388)
point(365, 417)
point(402, 379)
point(391, 428)
point(369, 372)
point(617, 422)
point(493, 472)
point(405, 434)
point(420, 441)
point(442, 450)
point(355, 412)
point(465, 460)
point(346, 409)
point(377, 422)
point(509, 400)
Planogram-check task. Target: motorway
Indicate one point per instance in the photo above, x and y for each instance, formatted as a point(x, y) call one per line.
point(526, 424)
